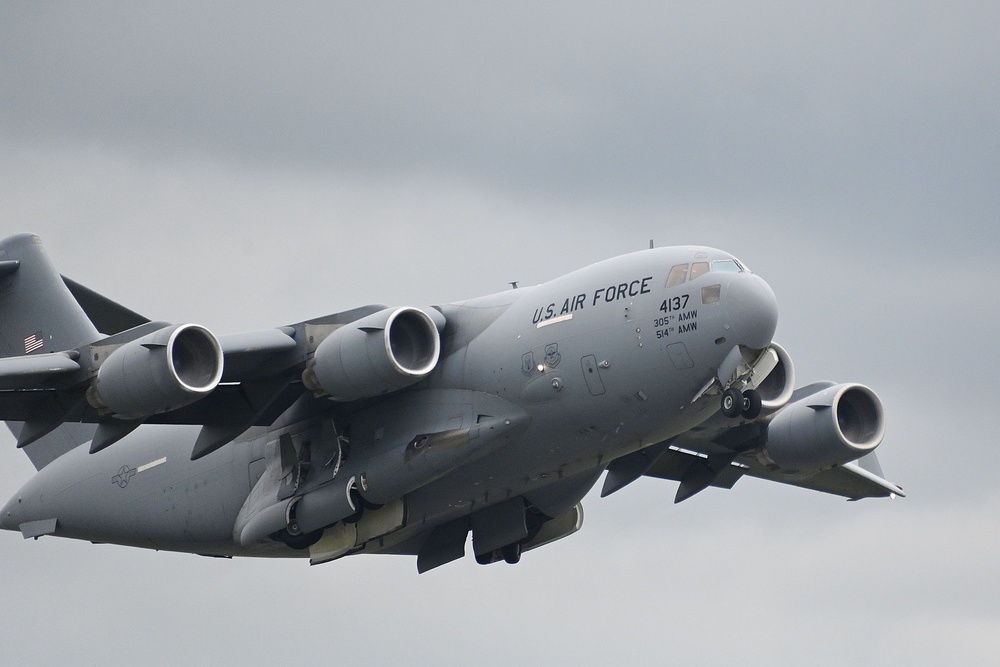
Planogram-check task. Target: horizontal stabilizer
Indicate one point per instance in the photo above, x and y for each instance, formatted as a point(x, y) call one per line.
point(36, 370)
point(107, 316)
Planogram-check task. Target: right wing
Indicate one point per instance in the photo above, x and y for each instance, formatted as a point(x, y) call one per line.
point(821, 438)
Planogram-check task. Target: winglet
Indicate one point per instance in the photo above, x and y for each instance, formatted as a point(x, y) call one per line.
point(892, 489)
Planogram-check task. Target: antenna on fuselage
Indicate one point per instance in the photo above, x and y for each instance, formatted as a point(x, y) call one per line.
point(650, 244)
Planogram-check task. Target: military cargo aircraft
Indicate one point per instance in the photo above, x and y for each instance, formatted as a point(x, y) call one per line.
point(402, 430)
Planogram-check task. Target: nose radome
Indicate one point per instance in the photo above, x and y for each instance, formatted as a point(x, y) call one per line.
point(753, 311)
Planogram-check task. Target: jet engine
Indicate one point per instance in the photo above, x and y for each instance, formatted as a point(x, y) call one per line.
point(831, 427)
point(378, 354)
point(776, 389)
point(159, 372)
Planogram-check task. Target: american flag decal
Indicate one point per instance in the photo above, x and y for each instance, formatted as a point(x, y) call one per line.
point(33, 342)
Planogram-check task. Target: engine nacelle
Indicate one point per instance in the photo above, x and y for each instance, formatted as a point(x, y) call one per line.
point(157, 373)
point(776, 389)
point(831, 427)
point(378, 354)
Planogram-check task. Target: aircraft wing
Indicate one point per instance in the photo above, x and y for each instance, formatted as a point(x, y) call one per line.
point(850, 480)
point(719, 456)
point(225, 384)
point(259, 382)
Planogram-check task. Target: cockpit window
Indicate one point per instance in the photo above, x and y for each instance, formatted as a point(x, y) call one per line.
point(678, 275)
point(699, 269)
point(679, 272)
point(729, 265)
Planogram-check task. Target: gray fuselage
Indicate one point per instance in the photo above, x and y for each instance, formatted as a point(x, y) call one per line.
point(581, 370)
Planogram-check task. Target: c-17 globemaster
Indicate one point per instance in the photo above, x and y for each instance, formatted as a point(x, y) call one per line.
point(401, 430)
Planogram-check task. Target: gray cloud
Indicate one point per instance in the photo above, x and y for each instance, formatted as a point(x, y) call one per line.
point(760, 108)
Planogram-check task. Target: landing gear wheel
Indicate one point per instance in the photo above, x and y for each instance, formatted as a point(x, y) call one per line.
point(511, 553)
point(356, 516)
point(299, 541)
point(488, 557)
point(751, 404)
point(732, 402)
point(360, 504)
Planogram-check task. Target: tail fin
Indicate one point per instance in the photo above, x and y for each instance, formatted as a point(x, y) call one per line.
point(37, 311)
point(38, 314)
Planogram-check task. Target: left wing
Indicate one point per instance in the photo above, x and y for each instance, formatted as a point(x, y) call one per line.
point(161, 373)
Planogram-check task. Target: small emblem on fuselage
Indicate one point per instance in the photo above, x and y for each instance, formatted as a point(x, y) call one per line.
point(33, 342)
point(124, 475)
point(552, 356)
point(528, 363)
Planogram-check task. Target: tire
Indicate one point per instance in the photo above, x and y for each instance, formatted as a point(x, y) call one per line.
point(732, 403)
point(489, 557)
point(300, 541)
point(752, 404)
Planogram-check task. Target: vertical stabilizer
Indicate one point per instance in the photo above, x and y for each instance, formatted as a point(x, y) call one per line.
point(37, 311)
point(38, 314)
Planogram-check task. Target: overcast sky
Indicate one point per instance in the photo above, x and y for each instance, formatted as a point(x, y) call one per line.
point(247, 166)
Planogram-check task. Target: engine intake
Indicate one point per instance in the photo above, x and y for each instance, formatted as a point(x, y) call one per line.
point(776, 389)
point(378, 354)
point(157, 373)
point(831, 427)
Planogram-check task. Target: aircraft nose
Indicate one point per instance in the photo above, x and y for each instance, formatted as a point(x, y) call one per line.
point(753, 311)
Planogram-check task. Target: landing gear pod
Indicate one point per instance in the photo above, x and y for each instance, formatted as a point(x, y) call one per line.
point(378, 354)
point(157, 373)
